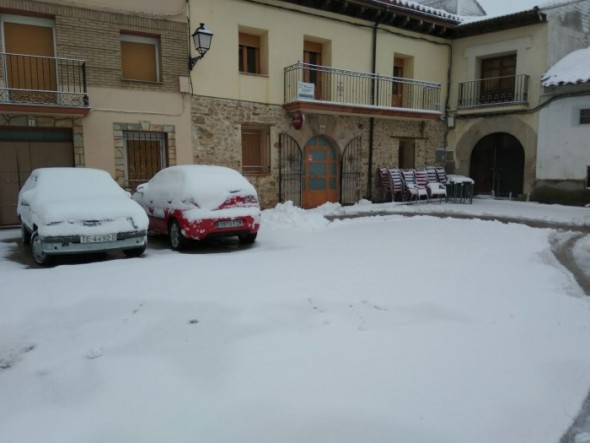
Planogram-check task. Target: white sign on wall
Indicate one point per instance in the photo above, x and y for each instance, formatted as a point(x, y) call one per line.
point(305, 90)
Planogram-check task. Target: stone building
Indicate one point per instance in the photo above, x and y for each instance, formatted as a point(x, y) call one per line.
point(497, 99)
point(308, 100)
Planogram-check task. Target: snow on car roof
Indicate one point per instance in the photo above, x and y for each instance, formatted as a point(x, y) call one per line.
point(208, 185)
point(57, 184)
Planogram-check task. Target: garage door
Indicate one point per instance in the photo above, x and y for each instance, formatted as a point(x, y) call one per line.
point(18, 158)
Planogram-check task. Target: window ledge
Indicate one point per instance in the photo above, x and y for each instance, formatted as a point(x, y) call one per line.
point(145, 82)
point(256, 174)
point(250, 74)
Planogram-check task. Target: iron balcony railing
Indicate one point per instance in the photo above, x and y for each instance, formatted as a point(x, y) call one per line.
point(47, 81)
point(306, 82)
point(512, 89)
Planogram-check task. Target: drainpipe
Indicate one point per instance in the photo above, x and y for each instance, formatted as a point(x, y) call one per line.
point(372, 119)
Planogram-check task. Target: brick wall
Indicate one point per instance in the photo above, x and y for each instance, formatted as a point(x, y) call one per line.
point(94, 36)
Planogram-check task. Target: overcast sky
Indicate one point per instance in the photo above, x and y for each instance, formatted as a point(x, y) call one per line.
point(496, 7)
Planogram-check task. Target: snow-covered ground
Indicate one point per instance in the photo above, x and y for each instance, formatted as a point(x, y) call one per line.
point(384, 328)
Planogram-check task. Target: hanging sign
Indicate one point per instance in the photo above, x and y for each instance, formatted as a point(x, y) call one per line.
point(298, 120)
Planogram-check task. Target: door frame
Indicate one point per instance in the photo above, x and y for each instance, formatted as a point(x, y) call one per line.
point(334, 163)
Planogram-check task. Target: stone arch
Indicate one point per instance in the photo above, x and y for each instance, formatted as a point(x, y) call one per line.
point(497, 165)
point(513, 126)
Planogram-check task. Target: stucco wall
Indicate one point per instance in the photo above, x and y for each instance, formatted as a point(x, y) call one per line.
point(348, 44)
point(563, 149)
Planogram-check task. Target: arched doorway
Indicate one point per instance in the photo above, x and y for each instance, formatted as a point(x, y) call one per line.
point(497, 165)
point(320, 176)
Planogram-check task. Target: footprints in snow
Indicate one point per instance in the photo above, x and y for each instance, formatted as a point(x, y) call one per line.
point(97, 351)
point(359, 312)
point(11, 356)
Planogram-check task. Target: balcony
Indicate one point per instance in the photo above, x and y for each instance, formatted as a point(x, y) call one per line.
point(497, 91)
point(43, 84)
point(322, 89)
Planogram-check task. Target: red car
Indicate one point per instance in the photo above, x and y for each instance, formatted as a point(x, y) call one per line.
point(200, 202)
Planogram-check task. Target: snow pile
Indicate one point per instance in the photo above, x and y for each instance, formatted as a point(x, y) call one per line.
point(288, 215)
point(581, 253)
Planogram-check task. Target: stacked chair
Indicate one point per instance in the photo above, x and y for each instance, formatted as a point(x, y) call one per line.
point(421, 184)
point(413, 189)
point(436, 188)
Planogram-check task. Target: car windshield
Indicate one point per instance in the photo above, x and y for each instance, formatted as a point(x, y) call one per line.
point(59, 184)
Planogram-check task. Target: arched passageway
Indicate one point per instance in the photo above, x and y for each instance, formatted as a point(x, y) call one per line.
point(497, 165)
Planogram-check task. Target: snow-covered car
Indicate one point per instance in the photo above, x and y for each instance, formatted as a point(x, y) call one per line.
point(79, 210)
point(200, 202)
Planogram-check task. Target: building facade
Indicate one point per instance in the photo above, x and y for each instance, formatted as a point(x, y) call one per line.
point(496, 102)
point(104, 85)
point(306, 99)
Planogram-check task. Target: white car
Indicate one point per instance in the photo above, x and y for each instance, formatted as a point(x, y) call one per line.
point(79, 210)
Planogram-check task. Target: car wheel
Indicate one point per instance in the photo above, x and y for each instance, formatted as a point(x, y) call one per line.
point(177, 240)
point(248, 238)
point(25, 235)
point(134, 252)
point(40, 257)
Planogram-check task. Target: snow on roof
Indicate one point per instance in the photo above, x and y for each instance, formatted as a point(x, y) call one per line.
point(543, 5)
point(573, 69)
point(412, 5)
point(457, 7)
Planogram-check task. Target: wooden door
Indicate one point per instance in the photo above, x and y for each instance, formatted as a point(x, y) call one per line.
point(407, 154)
point(312, 54)
point(498, 77)
point(320, 173)
point(144, 159)
point(30, 77)
point(397, 89)
point(17, 160)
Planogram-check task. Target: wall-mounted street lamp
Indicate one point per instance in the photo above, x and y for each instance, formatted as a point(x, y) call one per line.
point(202, 39)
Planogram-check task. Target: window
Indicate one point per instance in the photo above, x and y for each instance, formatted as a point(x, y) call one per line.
point(312, 55)
point(140, 58)
point(498, 79)
point(29, 64)
point(585, 116)
point(255, 150)
point(146, 155)
point(249, 53)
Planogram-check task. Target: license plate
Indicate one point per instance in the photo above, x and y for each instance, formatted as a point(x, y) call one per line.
point(98, 238)
point(229, 224)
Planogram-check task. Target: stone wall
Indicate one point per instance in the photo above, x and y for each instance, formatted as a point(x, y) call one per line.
point(217, 139)
point(169, 132)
